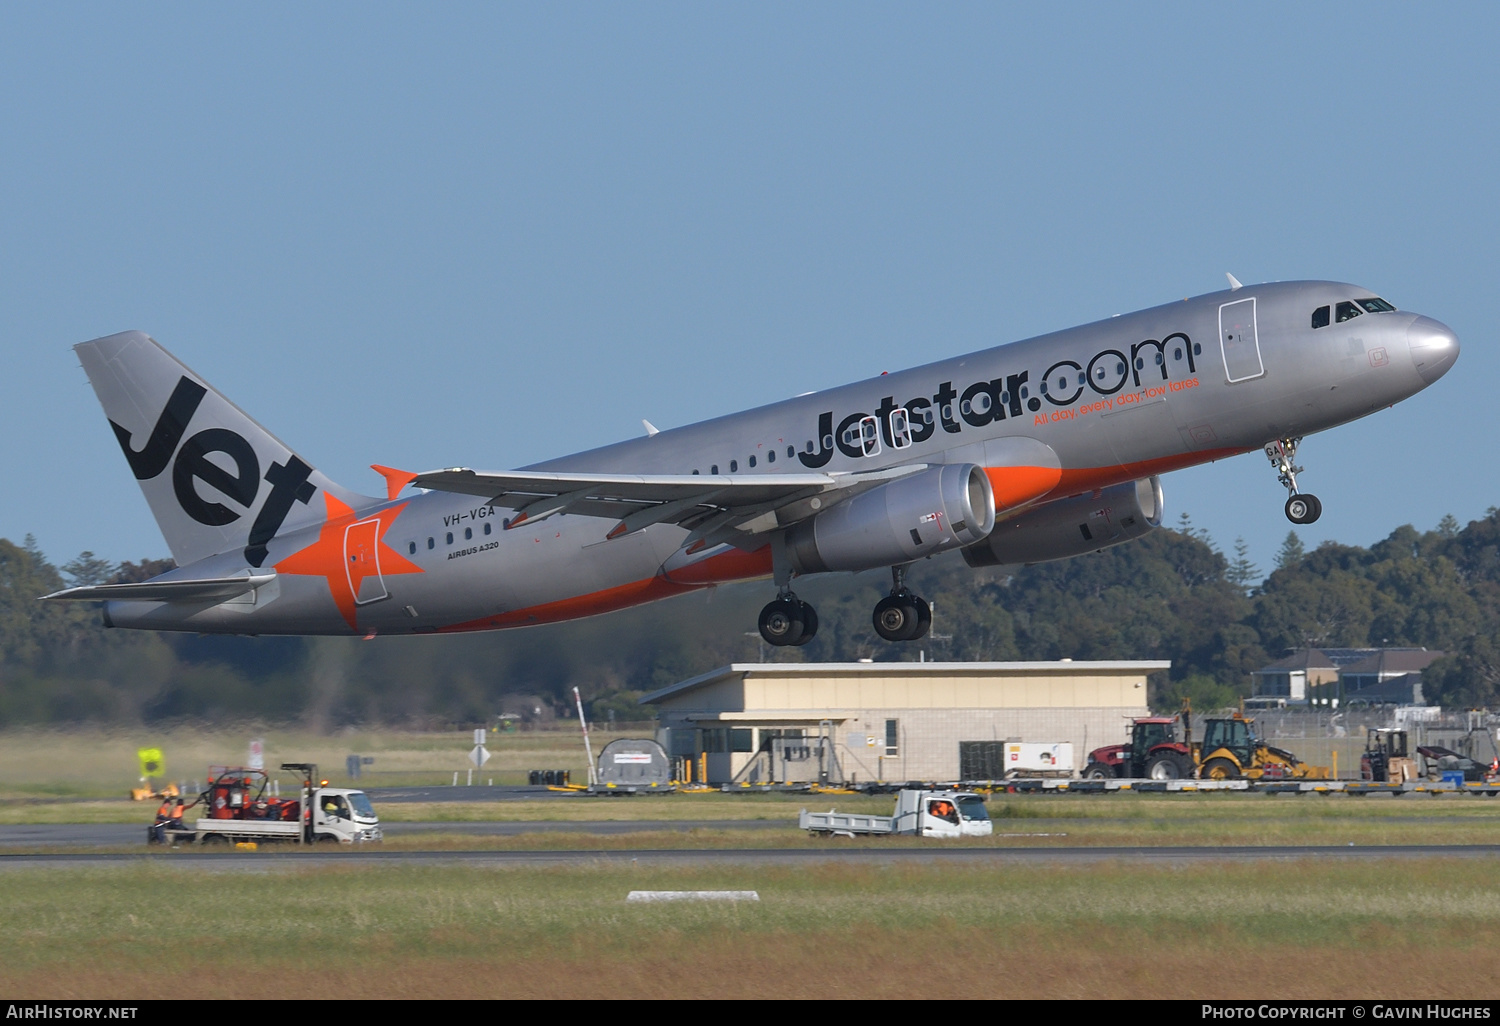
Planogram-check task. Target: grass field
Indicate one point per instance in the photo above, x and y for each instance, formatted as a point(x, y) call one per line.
point(90, 763)
point(1240, 820)
point(1312, 929)
point(1232, 930)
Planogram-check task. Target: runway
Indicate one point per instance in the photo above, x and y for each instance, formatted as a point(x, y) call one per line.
point(474, 793)
point(292, 858)
point(107, 835)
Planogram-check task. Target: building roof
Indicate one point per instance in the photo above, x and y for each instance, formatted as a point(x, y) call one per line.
point(1344, 656)
point(1061, 668)
point(1390, 662)
point(1403, 690)
point(1301, 659)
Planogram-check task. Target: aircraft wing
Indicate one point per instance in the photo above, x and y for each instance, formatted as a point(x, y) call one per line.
point(707, 504)
point(214, 589)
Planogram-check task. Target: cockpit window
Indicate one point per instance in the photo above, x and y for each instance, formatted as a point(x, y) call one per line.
point(1320, 317)
point(1376, 305)
point(1347, 312)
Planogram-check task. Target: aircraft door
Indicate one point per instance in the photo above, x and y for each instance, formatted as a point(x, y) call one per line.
point(1238, 341)
point(362, 562)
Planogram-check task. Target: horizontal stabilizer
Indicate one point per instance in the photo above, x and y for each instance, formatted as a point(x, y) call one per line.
point(214, 589)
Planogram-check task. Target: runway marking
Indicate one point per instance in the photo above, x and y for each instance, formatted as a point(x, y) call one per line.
point(292, 859)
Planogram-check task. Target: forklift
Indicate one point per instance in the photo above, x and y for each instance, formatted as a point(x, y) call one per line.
point(1386, 759)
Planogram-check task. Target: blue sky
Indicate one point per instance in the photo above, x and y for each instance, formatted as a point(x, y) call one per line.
point(490, 234)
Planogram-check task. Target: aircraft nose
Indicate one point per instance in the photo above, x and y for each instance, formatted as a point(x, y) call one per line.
point(1434, 347)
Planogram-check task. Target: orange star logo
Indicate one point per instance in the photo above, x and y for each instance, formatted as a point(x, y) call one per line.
point(352, 554)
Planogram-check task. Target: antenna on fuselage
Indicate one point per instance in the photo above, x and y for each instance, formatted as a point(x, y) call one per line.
point(1234, 283)
point(651, 429)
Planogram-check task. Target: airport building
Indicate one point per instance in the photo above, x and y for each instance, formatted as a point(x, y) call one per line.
point(849, 722)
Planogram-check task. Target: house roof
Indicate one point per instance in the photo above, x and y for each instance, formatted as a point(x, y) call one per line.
point(1302, 659)
point(1344, 656)
point(1394, 661)
point(1403, 690)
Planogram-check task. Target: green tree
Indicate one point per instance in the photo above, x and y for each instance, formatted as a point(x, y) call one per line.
point(1468, 678)
point(1291, 552)
point(1242, 573)
point(1206, 694)
point(85, 570)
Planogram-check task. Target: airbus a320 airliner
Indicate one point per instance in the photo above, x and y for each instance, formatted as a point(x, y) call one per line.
point(1037, 450)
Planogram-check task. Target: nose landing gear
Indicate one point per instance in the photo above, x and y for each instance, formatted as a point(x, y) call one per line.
point(901, 615)
point(787, 620)
point(1300, 508)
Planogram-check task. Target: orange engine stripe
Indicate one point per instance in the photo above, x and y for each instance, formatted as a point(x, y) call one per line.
point(734, 565)
point(1084, 479)
point(1015, 485)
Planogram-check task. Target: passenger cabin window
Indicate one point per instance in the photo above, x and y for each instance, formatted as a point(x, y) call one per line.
point(1346, 311)
point(412, 548)
point(752, 460)
point(869, 436)
point(734, 466)
point(1320, 317)
point(900, 429)
point(770, 455)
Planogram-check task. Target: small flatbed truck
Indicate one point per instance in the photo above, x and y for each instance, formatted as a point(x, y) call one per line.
point(918, 813)
point(239, 809)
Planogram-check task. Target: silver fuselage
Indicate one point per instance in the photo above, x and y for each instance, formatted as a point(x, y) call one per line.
point(1208, 396)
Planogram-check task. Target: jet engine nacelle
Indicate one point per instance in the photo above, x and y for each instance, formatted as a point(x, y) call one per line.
point(931, 511)
point(1072, 526)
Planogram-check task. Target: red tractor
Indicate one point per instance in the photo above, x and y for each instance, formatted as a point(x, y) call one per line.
point(1154, 753)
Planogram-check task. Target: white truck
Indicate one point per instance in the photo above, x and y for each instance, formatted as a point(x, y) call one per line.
point(918, 813)
point(240, 809)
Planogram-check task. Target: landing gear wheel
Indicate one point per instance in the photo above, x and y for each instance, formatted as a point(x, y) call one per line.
point(899, 618)
point(782, 621)
point(1220, 769)
point(924, 618)
point(809, 623)
point(1300, 508)
point(1303, 509)
point(1166, 766)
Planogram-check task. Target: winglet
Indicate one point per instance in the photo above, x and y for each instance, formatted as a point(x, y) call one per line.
point(395, 480)
point(651, 429)
point(1234, 283)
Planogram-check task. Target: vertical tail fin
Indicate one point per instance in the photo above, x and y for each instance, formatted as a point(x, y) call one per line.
point(215, 479)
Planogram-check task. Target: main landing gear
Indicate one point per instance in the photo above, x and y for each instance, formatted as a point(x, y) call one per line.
point(788, 620)
point(1300, 509)
point(902, 616)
